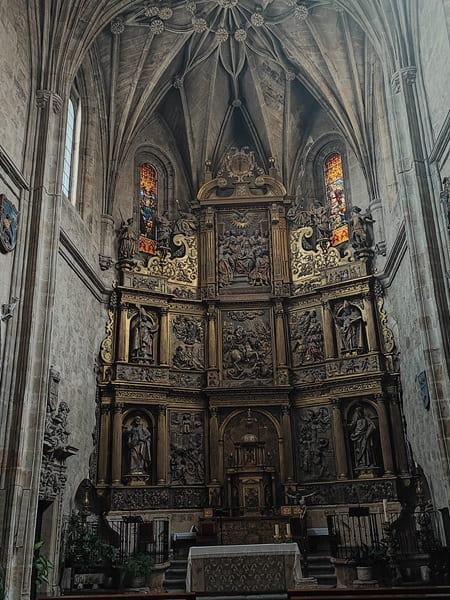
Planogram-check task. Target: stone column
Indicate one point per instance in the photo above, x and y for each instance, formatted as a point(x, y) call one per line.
point(105, 426)
point(398, 436)
point(328, 329)
point(208, 254)
point(279, 241)
point(212, 337)
point(370, 324)
point(164, 337)
point(161, 458)
point(339, 440)
point(287, 438)
point(385, 437)
point(116, 469)
point(213, 445)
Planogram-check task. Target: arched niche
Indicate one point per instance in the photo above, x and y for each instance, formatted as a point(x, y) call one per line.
point(363, 439)
point(138, 447)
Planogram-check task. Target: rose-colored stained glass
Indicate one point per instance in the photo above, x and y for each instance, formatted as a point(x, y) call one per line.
point(334, 181)
point(148, 204)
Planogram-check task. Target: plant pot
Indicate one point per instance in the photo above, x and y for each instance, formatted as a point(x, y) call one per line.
point(364, 573)
point(137, 582)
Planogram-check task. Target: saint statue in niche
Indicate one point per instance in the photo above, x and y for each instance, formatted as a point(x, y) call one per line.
point(127, 241)
point(362, 435)
point(142, 333)
point(138, 442)
point(350, 324)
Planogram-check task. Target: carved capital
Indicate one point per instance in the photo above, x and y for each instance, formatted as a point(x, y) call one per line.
point(213, 412)
point(285, 410)
point(45, 98)
point(105, 409)
point(162, 410)
point(407, 76)
point(118, 407)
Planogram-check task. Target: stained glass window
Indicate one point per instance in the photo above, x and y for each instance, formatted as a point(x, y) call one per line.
point(68, 148)
point(334, 181)
point(148, 203)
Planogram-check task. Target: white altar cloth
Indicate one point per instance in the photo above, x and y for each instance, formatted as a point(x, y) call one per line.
point(252, 568)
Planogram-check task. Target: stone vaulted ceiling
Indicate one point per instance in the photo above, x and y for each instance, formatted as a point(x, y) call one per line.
point(227, 72)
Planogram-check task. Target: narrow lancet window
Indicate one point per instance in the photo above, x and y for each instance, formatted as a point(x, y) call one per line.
point(148, 203)
point(334, 182)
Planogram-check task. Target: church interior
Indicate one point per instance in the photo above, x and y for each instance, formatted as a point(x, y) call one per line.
point(224, 277)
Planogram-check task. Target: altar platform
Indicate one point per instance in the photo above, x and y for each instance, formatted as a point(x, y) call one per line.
point(243, 569)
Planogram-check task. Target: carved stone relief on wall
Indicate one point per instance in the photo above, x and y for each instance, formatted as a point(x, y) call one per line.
point(314, 444)
point(243, 251)
point(187, 343)
point(306, 334)
point(247, 346)
point(187, 447)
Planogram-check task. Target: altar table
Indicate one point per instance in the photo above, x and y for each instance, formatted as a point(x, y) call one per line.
point(252, 568)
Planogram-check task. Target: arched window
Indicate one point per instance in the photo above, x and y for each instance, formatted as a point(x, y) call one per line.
point(148, 204)
point(334, 183)
point(71, 149)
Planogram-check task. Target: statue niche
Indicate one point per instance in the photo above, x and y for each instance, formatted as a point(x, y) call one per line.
point(137, 450)
point(350, 328)
point(364, 441)
point(143, 329)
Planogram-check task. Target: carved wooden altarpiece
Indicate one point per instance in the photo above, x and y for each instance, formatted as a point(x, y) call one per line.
point(257, 357)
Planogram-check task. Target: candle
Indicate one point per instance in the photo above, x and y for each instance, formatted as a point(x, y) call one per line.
point(386, 518)
point(277, 529)
point(288, 529)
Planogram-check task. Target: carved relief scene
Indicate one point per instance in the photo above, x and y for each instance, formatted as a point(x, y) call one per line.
point(187, 448)
point(314, 443)
point(243, 251)
point(247, 346)
point(187, 342)
point(306, 331)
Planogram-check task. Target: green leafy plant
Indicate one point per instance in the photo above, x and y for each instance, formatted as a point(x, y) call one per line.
point(139, 565)
point(84, 549)
point(371, 556)
point(41, 565)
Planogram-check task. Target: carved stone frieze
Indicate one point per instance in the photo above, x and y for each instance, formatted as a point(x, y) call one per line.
point(148, 498)
point(187, 447)
point(314, 444)
point(186, 379)
point(351, 492)
point(353, 365)
point(137, 373)
point(247, 346)
point(309, 375)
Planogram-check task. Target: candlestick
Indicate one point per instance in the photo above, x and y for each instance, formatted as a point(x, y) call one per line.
point(277, 529)
point(288, 529)
point(386, 517)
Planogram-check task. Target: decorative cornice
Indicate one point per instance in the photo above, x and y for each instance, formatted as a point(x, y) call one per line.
point(8, 166)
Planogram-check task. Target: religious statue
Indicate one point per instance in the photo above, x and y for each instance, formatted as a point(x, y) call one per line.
point(127, 241)
point(138, 442)
point(142, 332)
point(350, 323)
point(445, 199)
point(164, 230)
point(362, 435)
point(359, 236)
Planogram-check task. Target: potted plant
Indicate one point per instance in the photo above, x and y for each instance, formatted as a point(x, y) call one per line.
point(368, 559)
point(138, 568)
point(41, 565)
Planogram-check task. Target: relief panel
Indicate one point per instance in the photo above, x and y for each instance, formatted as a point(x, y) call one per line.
point(243, 251)
point(314, 444)
point(187, 342)
point(187, 447)
point(247, 346)
point(306, 336)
